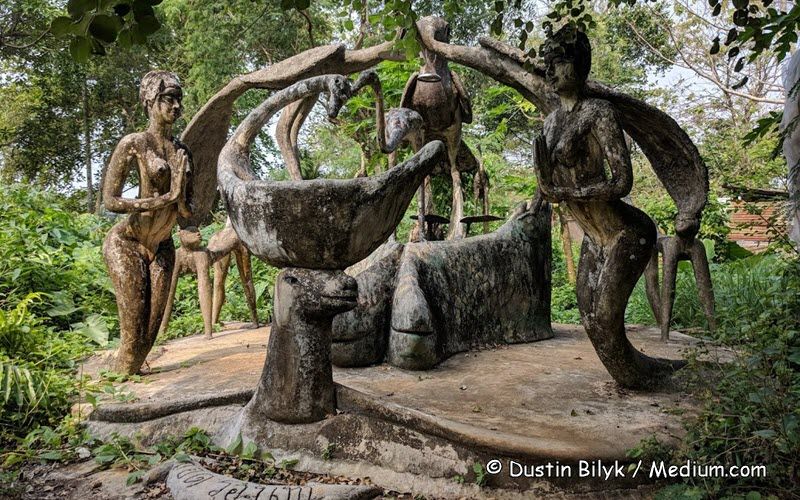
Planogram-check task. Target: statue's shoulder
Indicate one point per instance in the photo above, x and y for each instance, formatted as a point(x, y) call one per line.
point(601, 107)
point(134, 143)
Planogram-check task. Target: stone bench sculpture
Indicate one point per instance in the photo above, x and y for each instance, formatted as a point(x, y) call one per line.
point(420, 303)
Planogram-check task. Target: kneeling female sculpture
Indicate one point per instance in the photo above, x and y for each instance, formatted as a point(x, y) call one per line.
point(580, 138)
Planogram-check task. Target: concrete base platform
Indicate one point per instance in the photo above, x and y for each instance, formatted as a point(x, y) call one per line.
point(546, 402)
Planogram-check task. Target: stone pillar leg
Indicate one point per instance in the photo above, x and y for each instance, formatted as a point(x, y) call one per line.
point(296, 383)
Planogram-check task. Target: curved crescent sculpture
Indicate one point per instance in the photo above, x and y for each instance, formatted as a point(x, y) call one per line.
point(206, 133)
point(321, 223)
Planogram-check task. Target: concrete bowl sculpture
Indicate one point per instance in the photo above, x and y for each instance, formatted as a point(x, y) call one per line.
point(320, 223)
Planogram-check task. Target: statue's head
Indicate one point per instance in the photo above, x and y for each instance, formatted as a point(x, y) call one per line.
point(339, 91)
point(161, 96)
point(687, 226)
point(567, 57)
point(190, 237)
point(440, 29)
point(315, 294)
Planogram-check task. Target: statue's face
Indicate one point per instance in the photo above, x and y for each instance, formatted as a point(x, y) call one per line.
point(561, 76)
point(167, 106)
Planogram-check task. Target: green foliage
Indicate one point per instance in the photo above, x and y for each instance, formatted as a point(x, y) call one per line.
point(751, 413)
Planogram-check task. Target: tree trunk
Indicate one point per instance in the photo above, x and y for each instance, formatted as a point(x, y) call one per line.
point(566, 243)
point(87, 148)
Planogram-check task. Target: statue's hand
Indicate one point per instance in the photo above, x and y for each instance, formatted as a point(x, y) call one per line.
point(178, 175)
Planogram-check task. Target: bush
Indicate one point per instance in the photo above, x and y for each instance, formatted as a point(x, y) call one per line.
point(751, 413)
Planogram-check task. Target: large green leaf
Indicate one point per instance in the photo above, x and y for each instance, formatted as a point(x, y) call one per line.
point(104, 28)
point(94, 327)
point(80, 48)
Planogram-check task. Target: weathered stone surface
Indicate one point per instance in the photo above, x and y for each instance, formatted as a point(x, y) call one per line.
point(361, 334)
point(489, 289)
point(582, 139)
point(320, 223)
point(443, 297)
point(190, 481)
point(297, 382)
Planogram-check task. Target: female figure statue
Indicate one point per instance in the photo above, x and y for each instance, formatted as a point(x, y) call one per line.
point(583, 140)
point(138, 250)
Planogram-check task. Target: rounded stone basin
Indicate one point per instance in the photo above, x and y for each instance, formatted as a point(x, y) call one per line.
point(320, 223)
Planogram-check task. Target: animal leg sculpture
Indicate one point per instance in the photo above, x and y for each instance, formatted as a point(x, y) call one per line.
point(246, 275)
point(652, 286)
point(203, 266)
point(670, 252)
point(602, 305)
point(702, 277)
point(173, 286)
point(220, 274)
point(457, 229)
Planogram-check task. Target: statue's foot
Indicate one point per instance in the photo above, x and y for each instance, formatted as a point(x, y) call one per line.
point(412, 350)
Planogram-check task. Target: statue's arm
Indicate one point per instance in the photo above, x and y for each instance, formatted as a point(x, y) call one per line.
point(463, 98)
point(608, 133)
point(126, 153)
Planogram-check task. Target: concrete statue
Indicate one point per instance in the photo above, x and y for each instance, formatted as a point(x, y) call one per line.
point(315, 229)
point(420, 303)
point(138, 250)
point(192, 258)
point(585, 126)
point(673, 249)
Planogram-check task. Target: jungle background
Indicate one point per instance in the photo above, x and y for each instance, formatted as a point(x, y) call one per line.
point(66, 99)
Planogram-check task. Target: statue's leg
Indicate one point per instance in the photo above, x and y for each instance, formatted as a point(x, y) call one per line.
point(702, 276)
point(418, 233)
point(651, 286)
point(173, 286)
point(246, 275)
point(220, 274)
point(203, 266)
point(457, 230)
point(606, 278)
point(128, 269)
point(670, 268)
point(161, 270)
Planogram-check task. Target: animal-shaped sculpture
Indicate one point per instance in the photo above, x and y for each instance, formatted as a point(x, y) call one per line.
point(191, 257)
point(222, 245)
point(279, 221)
point(684, 246)
point(296, 385)
point(419, 303)
point(439, 96)
point(392, 128)
point(322, 225)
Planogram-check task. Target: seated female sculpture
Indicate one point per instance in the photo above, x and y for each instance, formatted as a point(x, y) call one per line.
point(581, 138)
point(138, 250)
